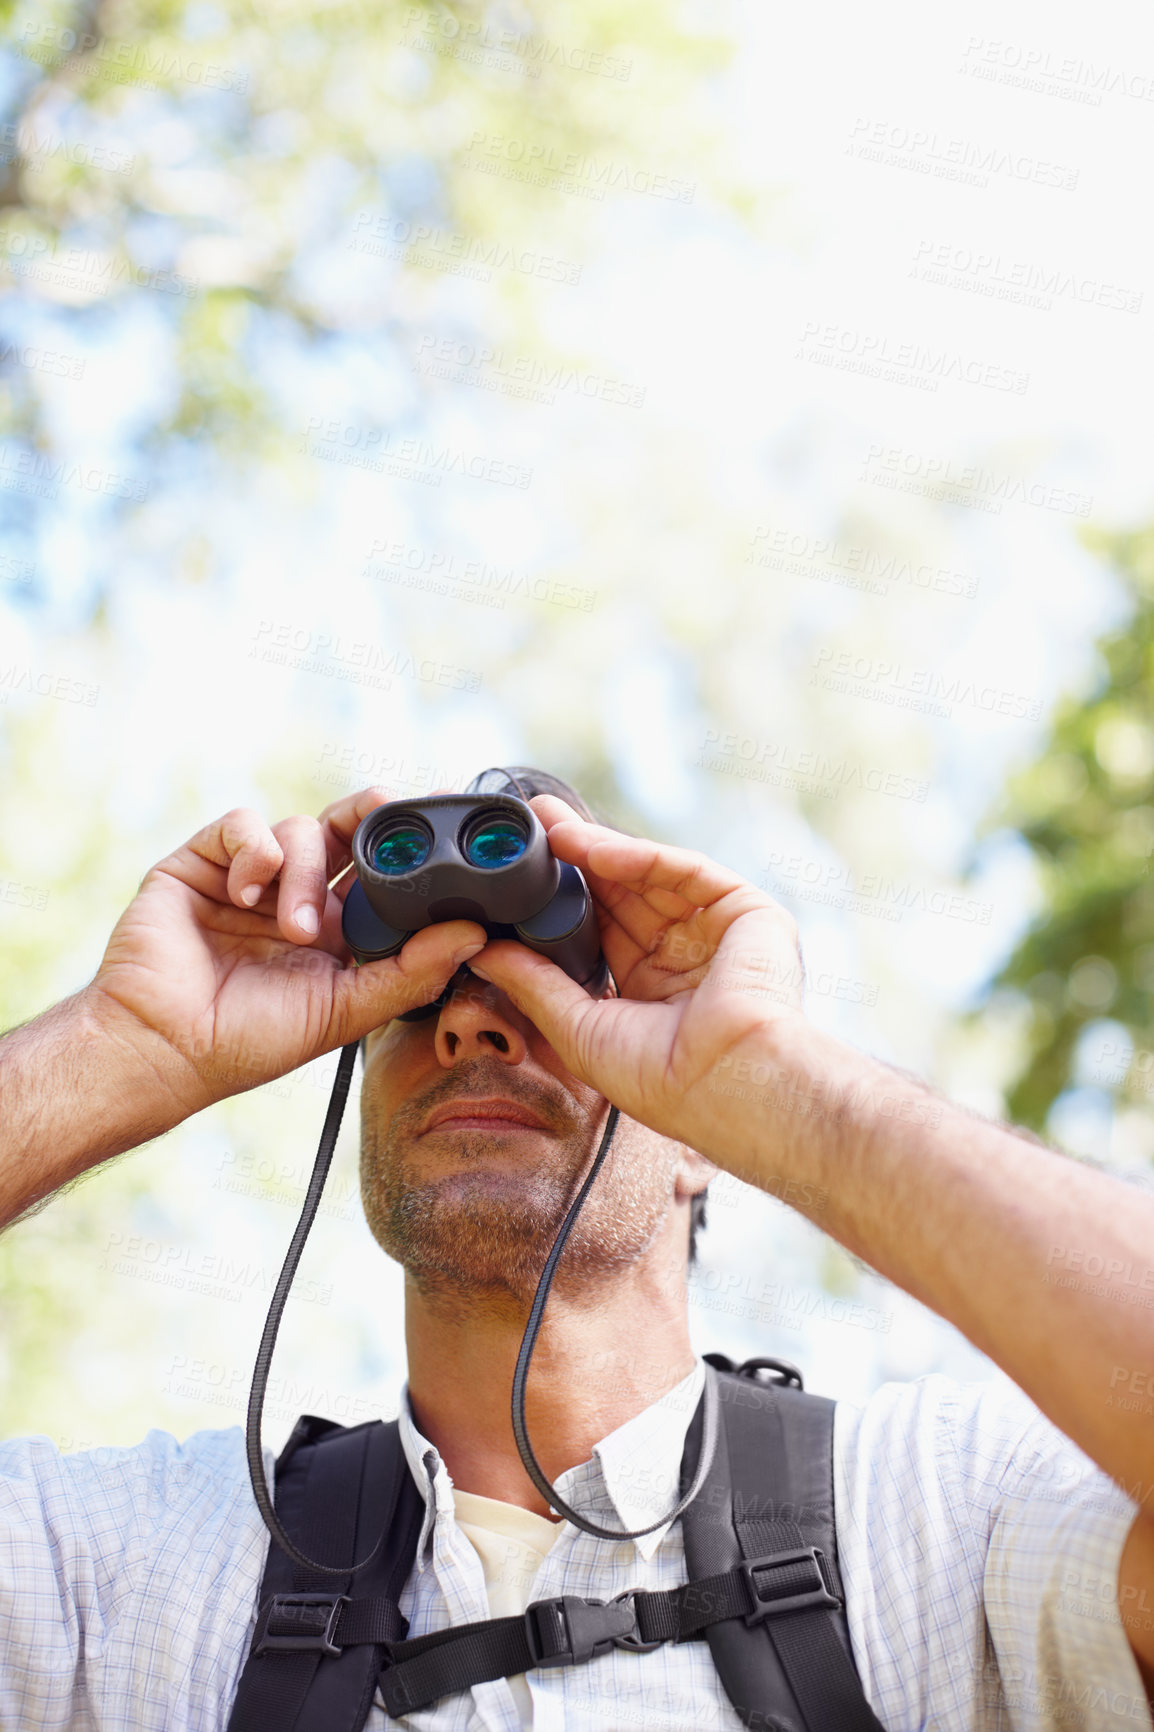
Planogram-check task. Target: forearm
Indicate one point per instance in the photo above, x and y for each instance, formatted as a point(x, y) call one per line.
point(73, 1092)
point(1044, 1264)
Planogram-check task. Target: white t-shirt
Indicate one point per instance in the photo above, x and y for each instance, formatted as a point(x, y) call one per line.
point(511, 1543)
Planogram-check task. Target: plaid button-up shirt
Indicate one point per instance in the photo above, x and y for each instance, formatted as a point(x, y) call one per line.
point(978, 1549)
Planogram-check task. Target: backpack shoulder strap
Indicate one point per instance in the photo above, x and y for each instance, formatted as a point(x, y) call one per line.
point(338, 1491)
point(770, 1495)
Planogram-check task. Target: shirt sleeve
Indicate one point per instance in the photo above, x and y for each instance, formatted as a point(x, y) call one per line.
point(1058, 1525)
point(128, 1583)
point(980, 1549)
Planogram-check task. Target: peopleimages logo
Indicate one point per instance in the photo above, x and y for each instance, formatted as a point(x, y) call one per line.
point(570, 170)
point(807, 771)
point(41, 258)
point(16, 677)
point(1022, 282)
point(478, 39)
point(125, 62)
point(361, 662)
point(768, 1301)
point(211, 1274)
point(18, 142)
point(972, 484)
point(852, 565)
point(37, 360)
point(922, 366)
point(928, 152)
point(383, 235)
point(490, 368)
point(1029, 67)
point(26, 470)
point(361, 446)
point(883, 681)
point(345, 766)
point(834, 885)
point(441, 572)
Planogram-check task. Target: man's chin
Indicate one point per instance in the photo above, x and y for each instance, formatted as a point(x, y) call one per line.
point(482, 1231)
point(517, 1186)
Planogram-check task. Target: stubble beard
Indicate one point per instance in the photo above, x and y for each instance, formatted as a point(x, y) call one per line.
point(480, 1234)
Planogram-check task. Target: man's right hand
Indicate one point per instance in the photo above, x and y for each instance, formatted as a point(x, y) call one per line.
point(229, 969)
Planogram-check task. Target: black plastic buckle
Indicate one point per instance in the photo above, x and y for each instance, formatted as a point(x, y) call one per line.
point(569, 1631)
point(633, 1641)
point(315, 1619)
point(765, 1606)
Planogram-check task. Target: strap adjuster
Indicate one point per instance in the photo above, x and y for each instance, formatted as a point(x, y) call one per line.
point(299, 1623)
point(768, 1605)
point(569, 1631)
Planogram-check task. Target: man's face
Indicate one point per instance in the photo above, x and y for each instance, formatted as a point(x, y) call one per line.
point(474, 1140)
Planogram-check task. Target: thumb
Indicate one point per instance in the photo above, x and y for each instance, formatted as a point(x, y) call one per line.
point(562, 1010)
point(365, 997)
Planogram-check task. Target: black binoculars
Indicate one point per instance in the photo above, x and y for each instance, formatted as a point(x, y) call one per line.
point(469, 857)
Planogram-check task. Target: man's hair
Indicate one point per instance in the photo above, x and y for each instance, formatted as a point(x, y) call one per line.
point(524, 780)
point(528, 782)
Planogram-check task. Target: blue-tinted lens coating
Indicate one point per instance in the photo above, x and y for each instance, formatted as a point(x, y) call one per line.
point(401, 850)
point(497, 843)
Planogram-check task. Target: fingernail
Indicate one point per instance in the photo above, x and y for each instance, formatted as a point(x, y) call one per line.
point(480, 973)
point(250, 894)
point(307, 919)
point(468, 950)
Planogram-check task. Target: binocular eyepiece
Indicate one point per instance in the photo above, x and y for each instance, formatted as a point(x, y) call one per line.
point(469, 857)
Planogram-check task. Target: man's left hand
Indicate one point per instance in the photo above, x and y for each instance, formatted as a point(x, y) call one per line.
point(704, 962)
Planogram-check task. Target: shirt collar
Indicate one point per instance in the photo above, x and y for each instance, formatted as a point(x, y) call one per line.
point(428, 1470)
point(632, 1478)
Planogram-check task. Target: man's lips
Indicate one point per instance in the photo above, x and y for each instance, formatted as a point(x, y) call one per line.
point(465, 1113)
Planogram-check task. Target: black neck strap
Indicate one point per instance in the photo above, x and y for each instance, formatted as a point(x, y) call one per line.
point(521, 1375)
point(532, 1467)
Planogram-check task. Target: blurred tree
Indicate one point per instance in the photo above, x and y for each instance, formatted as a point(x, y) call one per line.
point(239, 184)
point(1086, 809)
point(221, 218)
point(216, 221)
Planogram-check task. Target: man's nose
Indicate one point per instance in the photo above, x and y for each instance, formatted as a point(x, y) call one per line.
point(478, 1019)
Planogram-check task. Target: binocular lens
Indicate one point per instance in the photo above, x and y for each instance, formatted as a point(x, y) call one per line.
point(495, 842)
point(401, 849)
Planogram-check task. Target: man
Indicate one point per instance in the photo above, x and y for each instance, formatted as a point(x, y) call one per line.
point(994, 1575)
